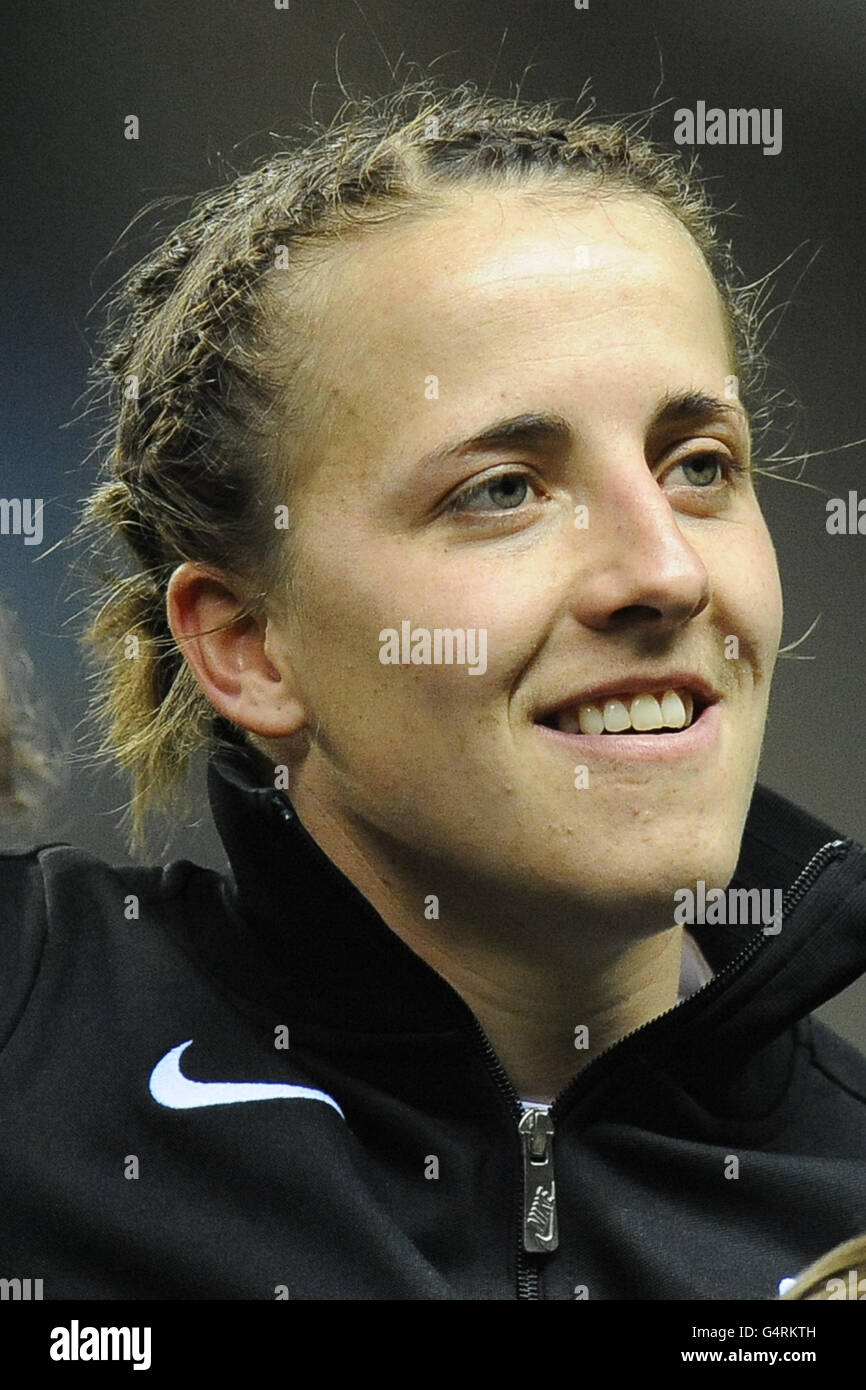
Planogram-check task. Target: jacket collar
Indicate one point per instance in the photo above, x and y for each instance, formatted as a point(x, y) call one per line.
point(301, 934)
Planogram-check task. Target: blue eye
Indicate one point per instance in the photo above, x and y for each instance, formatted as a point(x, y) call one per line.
point(711, 464)
point(711, 467)
point(505, 491)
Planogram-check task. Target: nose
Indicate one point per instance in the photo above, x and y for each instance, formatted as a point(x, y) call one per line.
point(636, 565)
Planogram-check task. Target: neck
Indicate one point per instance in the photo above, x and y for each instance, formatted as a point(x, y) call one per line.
point(551, 991)
point(548, 1017)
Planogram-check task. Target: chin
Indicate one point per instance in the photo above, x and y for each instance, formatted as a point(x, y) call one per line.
point(634, 883)
point(652, 890)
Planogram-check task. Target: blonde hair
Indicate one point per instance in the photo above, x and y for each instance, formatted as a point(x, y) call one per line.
point(202, 364)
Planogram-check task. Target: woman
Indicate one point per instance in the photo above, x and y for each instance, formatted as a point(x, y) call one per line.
point(432, 451)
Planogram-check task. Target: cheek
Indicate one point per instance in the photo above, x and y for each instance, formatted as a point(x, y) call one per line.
point(756, 590)
point(353, 598)
point(748, 590)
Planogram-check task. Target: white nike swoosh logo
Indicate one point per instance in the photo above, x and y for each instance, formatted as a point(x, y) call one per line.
point(171, 1088)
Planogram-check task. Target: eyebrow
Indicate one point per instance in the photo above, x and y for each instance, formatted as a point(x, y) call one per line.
point(546, 432)
point(696, 407)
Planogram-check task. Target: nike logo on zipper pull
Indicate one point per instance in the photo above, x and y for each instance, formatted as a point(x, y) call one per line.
point(540, 1231)
point(169, 1087)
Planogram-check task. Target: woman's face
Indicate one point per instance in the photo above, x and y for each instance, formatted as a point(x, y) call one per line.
point(489, 372)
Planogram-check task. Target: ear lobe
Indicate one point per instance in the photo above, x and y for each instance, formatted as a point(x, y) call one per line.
point(226, 649)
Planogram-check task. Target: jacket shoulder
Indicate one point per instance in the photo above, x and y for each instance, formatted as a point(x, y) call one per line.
point(838, 1060)
point(55, 898)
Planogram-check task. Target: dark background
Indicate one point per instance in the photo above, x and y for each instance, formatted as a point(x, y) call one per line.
point(209, 79)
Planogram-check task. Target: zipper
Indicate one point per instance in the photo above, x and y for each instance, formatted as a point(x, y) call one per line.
point(815, 867)
point(528, 1258)
point(539, 1232)
point(793, 895)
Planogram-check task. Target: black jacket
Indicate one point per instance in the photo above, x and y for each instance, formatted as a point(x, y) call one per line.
point(397, 1172)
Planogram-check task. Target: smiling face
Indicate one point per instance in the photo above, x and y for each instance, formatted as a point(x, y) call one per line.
point(529, 434)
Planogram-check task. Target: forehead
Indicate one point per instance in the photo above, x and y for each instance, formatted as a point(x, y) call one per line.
point(527, 298)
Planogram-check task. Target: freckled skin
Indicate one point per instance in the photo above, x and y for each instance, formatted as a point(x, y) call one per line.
point(441, 780)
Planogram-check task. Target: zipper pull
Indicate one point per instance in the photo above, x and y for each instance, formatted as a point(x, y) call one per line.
point(540, 1233)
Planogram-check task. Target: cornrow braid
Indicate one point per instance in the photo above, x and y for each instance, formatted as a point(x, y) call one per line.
point(201, 365)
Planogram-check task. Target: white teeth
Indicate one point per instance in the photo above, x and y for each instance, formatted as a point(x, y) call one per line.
point(616, 717)
point(588, 720)
point(674, 711)
point(641, 713)
point(572, 723)
point(645, 713)
point(591, 719)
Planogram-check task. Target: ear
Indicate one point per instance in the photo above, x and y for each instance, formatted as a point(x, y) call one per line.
point(228, 653)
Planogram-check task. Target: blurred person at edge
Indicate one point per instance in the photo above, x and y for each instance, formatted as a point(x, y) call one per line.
point(456, 365)
point(31, 766)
